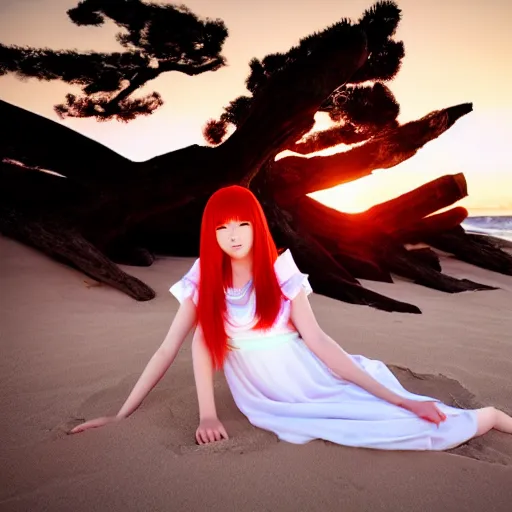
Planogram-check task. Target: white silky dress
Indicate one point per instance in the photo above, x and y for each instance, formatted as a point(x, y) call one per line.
point(281, 386)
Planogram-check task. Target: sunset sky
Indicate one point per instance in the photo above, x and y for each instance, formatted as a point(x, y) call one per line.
point(456, 51)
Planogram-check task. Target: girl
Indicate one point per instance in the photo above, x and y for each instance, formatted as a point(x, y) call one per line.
point(286, 375)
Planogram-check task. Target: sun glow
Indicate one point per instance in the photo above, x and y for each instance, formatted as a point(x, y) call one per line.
point(349, 198)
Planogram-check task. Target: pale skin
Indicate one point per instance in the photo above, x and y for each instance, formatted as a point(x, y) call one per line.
point(235, 239)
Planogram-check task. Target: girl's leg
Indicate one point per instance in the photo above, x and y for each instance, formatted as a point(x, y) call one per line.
point(489, 418)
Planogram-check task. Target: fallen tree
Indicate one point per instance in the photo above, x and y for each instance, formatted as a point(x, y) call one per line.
point(97, 208)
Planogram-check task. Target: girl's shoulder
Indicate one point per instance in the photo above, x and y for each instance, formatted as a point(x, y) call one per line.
point(187, 286)
point(290, 278)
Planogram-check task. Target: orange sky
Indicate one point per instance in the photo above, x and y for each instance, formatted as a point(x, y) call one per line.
point(456, 51)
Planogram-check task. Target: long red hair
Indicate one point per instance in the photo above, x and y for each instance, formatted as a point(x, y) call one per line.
point(234, 203)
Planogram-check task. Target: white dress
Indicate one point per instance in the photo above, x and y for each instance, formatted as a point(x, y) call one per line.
point(281, 386)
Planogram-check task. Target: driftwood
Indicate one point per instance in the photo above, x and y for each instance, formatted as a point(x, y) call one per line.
point(477, 250)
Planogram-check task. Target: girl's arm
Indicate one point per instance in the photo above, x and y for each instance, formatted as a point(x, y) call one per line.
point(331, 354)
point(210, 428)
point(156, 368)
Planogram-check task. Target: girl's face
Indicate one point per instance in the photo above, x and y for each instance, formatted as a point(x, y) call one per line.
point(235, 238)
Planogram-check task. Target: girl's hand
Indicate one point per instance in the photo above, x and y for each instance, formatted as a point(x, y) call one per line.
point(425, 410)
point(210, 430)
point(95, 423)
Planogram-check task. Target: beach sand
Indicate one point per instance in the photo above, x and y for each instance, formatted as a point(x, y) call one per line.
point(71, 351)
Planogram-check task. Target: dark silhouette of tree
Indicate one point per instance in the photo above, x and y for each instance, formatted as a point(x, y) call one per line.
point(157, 39)
point(101, 209)
point(359, 110)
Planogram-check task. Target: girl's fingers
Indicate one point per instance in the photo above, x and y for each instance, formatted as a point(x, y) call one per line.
point(441, 414)
point(97, 422)
point(429, 411)
point(202, 437)
point(80, 428)
point(431, 417)
point(211, 435)
point(223, 432)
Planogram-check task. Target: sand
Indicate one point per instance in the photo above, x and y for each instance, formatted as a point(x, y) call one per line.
point(71, 351)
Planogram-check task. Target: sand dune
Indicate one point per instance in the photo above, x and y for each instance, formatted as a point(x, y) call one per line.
point(72, 350)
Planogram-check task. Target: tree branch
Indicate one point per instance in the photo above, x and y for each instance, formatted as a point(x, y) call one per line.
point(334, 136)
point(473, 249)
point(145, 74)
point(406, 210)
point(296, 176)
point(419, 231)
point(403, 263)
point(191, 69)
point(284, 108)
point(326, 274)
point(65, 244)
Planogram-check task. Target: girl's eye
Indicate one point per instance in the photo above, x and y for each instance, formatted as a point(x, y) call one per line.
point(221, 227)
point(244, 224)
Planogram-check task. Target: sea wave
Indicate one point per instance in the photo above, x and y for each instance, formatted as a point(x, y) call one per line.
point(499, 226)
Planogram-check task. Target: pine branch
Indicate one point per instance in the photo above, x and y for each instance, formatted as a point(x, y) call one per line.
point(158, 39)
point(70, 66)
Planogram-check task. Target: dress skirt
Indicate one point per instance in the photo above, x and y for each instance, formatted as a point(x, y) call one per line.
point(281, 386)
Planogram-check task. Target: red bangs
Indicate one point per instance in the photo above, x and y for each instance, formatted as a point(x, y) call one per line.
point(239, 204)
point(232, 204)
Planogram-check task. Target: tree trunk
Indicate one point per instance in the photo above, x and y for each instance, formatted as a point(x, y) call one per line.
point(326, 275)
point(107, 209)
point(400, 213)
point(474, 249)
point(426, 256)
point(370, 244)
point(364, 237)
point(422, 229)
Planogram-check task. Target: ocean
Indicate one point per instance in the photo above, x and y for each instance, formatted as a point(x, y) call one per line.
point(499, 226)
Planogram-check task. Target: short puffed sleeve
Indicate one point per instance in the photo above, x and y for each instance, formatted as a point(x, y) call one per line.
point(188, 285)
point(290, 278)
